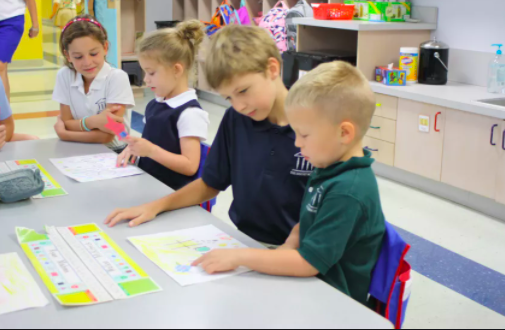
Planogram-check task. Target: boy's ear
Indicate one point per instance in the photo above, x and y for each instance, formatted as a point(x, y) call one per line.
point(348, 131)
point(274, 68)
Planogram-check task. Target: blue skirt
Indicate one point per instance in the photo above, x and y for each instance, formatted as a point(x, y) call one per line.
point(11, 31)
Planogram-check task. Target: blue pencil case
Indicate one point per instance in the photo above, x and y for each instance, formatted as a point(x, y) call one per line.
point(20, 185)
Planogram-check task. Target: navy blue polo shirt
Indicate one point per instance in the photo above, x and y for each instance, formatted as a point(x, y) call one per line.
point(267, 172)
point(162, 130)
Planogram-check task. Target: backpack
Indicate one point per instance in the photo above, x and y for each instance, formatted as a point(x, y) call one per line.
point(225, 15)
point(275, 22)
point(301, 9)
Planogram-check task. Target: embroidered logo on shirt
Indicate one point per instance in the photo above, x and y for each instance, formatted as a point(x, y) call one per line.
point(303, 167)
point(102, 105)
point(313, 207)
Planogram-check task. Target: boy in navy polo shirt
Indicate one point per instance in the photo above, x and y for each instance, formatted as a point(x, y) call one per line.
point(342, 225)
point(254, 150)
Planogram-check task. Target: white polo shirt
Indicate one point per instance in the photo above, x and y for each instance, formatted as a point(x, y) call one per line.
point(111, 86)
point(11, 8)
point(193, 122)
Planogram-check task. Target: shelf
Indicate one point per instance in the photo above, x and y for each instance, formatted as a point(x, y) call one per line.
point(353, 25)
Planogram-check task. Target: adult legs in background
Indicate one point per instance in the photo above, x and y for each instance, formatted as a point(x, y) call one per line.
point(11, 31)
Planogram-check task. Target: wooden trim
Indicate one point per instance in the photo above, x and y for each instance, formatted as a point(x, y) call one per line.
point(36, 115)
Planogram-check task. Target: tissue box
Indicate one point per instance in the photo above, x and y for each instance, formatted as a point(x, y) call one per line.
point(391, 77)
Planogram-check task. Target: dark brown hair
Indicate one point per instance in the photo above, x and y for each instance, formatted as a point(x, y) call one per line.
point(80, 27)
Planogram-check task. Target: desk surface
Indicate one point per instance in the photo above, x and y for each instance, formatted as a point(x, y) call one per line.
point(250, 300)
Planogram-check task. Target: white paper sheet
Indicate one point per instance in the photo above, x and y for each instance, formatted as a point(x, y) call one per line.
point(18, 290)
point(174, 252)
point(4, 168)
point(94, 168)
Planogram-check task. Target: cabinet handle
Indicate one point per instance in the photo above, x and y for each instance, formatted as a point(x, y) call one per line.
point(375, 127)
point(492, 134)
point(436, 122)
point(503, 143)
point(370, 149)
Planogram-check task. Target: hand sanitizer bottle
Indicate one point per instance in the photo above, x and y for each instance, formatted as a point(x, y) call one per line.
point(496, 77)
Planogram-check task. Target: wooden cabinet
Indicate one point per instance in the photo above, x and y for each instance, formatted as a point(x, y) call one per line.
point(382, 151)
point(471, 152)
point(387, 106)
point(416, 151)
point(500, 176)
point(383, 129)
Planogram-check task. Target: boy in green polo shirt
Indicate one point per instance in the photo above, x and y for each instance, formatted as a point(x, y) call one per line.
point(342, 225)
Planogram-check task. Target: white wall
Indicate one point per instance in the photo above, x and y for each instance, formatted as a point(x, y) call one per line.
point(469, 24)
point(157, 10)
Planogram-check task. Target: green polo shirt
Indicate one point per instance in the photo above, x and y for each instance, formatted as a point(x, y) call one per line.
point(342, 225)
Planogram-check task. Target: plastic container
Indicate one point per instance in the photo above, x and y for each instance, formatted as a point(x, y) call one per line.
point(409, 61)
point(496, 75)
point(333, 11)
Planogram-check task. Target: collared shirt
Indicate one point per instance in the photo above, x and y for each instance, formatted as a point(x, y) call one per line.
point(111, 86)
point(266, 171)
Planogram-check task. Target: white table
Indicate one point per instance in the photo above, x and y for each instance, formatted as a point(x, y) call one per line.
point(248, 301)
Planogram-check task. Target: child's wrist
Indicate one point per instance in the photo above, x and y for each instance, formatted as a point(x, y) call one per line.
point(153, 150)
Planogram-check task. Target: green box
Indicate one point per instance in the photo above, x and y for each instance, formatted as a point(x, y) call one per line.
point(381, 11)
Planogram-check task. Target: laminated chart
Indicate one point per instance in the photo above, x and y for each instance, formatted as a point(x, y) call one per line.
point(81, 265)
point(18, 290)
point(174, 252)
point(51, 189)
point(94, 168)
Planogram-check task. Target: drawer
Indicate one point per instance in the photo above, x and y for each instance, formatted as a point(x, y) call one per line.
point(387, 106)
point(382, 129)
point(382, 151)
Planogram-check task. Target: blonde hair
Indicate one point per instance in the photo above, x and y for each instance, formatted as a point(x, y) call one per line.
point(174, 45)
point(340, 90)
point(238, 50)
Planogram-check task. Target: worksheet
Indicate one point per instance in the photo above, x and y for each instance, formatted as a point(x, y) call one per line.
point(18, 290)
point(94, 168)
point(81, 265)
point(4, 168)
point(51, 189)
point(174, 252)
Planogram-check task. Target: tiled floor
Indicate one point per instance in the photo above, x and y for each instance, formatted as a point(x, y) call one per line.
point(452, 227)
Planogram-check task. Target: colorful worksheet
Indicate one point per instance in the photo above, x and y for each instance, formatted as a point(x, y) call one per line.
point(51, 189)
point(18, 290)
point(174, 252)
point(4, 168)
point(94, 168)
point(81, 265)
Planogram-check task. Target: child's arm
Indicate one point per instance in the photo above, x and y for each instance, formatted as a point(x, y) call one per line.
point(194, 193)
point(293, 241)
point(186, 164)
point(115, 111)
point(276, 263)
point(65, 134)
point(8, 129)
point(32, 8)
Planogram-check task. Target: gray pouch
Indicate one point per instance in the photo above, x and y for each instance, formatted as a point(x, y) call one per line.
point(20, 185)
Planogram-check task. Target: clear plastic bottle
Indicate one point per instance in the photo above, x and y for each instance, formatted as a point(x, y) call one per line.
point(496, 76)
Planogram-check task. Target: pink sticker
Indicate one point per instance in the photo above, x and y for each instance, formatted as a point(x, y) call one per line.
point(117, 128)
point(75, 287)
point(54, 274)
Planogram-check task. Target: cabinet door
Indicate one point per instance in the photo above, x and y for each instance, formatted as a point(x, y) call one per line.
point(417, 151)
point(382, 129)
point(500, 182)
point(471, 152)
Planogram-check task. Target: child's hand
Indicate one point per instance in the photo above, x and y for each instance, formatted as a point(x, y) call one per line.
point(219, 261)
point(126, 158)
point(140, 147)
point(99, 121)
point(59, 127)
point(3, 136)
point(136, 216)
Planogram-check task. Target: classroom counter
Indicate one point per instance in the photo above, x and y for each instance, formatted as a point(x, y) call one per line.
point(247, 301)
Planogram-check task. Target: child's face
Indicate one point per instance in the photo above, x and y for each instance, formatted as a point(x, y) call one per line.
point(161, 79)
point(87, 55)
point(252, 95)
point(322, 142)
